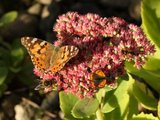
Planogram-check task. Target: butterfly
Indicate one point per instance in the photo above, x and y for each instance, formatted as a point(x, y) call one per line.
point(99, 79)
point(46, 57)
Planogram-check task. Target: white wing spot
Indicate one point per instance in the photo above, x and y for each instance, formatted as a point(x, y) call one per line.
point(34, 40)
point(27, 37)
point(42, 43)
point(71, 48)
point(71, 54)
point(29, 44)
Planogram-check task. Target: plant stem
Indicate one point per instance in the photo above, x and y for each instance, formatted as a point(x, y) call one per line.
point(99, 114)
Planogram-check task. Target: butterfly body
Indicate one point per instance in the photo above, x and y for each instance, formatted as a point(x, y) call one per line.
point(46, 57)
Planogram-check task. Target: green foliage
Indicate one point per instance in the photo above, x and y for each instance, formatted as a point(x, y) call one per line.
point(115, 97)
point(151, 19)
point(75, 108)
point(147, 100)
point(145, 75)
point(143, 116)
point(11, 64)
point(67, 102)
point(85, 107)
point(8, 18)
point(12, 55)
point(12, 67)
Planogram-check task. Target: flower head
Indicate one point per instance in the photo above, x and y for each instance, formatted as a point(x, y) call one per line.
point(104, 44)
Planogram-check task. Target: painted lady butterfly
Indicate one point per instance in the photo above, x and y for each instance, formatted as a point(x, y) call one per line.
point(46, 57)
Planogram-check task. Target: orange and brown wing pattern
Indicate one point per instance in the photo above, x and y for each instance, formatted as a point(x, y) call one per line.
point(64, 54)
point(46, 57)
point(39, 50)
point(98, 79)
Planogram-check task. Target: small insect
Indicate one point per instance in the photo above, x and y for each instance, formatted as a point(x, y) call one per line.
point(46, 57)
point(98, 79)
point(46, 86)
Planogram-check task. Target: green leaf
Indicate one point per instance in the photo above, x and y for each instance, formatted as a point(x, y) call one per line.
point(8, 18)
point(118, 95)
point(3, 72)
point(150, 19)
point(67, 102)
point(146, 100)
point(132, 107)
point(85, 107)
point(152, 64)
point(123, 106)
point(120, 112)
point(143, 116)
point(148, 77)
point(101, 93)
point(15, 69)
point(17, 53)
point(156, 54)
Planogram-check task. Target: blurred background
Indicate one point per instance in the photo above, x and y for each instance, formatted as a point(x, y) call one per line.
point(36, 18)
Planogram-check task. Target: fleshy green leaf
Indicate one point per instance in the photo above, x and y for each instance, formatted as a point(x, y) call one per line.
point(67, 102)
point(101, 92)
point(121, 111)
point(123, 106)
point(118, 95)
point(150, 19)
point(148, 77)
point(146, 100)
point(85, 107)
point(152, 64)
point(8, 18)
point(133, 107)
point(143, 116)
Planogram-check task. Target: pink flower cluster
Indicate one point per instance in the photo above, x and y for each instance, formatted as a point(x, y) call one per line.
point(104, 44)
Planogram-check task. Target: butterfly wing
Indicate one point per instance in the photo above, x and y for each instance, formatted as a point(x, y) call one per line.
point(46, 57)
point(63, 55)
point(40, 52)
